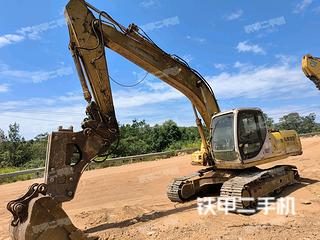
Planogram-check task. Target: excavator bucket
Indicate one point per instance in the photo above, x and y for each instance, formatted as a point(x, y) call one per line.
point(37, 216)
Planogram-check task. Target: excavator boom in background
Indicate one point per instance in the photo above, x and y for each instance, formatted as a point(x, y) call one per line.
point(239, 139)
point(311, 68)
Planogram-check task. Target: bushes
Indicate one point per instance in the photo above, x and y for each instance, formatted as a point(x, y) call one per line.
point(302, 124)
point(135, 138)
point(139, 138)
point(15, 151)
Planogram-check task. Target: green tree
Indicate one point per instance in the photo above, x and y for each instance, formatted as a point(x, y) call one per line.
point(14, 133)
point(290, 121)
point(134, 139)
point(17, 149)
point(38, 151)
point(302, 124)
point(41, 137)
point(3, 145)
point(164, 135)
point(269, 121)
point(3, 137)
point(308, 123)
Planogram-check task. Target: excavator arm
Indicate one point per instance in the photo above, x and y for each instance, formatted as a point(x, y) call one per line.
point(68, 152)
point(87, 33)
point(89, 36)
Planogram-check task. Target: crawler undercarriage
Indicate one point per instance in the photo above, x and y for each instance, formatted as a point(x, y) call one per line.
point(241, 184)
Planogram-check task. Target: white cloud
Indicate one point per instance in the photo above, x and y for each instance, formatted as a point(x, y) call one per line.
point(197, 39)
point(30, 32)
point(286, 59)
point(243, 67)
point(69, 109)
point(172, 21)
point(4, 88)
point(301, 6)
point(279, 81)
point(247, 47)
point(40, 120)
point(140, 98)
point(38, 115)
point(8, 39)
point(34, 76)
point(234, 15)
point(219, 66)
point(157, 86)
point(33, 32)
point(303, 110)
point(149, 3)
point(41, 76)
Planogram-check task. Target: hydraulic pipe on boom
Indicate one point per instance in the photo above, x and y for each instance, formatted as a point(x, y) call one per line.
point(142, 51)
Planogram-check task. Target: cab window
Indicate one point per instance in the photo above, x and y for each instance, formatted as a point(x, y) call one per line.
point(251, 133)
point(223, 137)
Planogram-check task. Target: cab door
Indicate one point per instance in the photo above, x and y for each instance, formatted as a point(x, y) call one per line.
point(252, 133)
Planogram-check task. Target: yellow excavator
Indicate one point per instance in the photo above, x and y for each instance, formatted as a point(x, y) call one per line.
point(311, 68)
point(239, 139)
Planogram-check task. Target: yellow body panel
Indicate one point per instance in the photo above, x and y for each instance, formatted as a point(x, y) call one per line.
point(199, 157)
point(311, 66)
point(285, 142)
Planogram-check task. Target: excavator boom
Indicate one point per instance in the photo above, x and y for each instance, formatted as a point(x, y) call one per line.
point(87, 32)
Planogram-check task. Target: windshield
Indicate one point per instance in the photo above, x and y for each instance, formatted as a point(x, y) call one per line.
point(222, 133)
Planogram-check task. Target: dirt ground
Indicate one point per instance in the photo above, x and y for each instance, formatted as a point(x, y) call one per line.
point(129, 202)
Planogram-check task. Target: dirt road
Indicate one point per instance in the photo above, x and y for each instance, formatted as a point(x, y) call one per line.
point(129, 202)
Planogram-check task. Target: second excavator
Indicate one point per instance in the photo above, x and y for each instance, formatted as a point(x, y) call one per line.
point(239, 139)
point(311, 68)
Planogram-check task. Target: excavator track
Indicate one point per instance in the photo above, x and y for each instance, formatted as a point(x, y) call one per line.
point(236, 188)
point(183, 188)
point(250, 183)
point(258, 183)
point(174, 190)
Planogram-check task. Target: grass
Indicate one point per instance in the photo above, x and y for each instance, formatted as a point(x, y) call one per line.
point(11, 169)
point(17, 178)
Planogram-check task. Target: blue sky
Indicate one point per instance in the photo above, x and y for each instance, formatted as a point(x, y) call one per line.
point(249, 51)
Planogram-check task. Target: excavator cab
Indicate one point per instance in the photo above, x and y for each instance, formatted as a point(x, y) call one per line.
point(240, 137)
